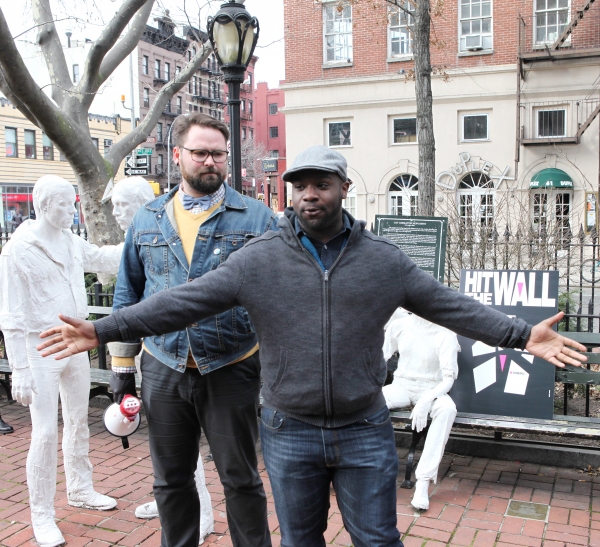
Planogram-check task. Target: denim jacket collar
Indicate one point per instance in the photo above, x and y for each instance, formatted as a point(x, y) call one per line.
point(232, 200)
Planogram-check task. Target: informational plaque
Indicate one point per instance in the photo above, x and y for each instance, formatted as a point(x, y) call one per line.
point(423, 239)
point(501, 381)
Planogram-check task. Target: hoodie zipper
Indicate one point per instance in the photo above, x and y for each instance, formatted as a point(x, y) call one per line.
point(327, 338)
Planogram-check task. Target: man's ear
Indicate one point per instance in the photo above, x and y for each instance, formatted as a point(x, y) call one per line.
point(345, 188)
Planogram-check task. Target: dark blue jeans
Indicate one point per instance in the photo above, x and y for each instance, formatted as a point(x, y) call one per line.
point(359, 459)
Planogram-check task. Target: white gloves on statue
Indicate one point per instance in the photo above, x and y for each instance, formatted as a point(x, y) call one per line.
point(420, 412)
point(23, 386)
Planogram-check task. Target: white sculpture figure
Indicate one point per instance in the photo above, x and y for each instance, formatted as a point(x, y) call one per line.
point(41, 275)
point(427, 368)
point(128, 195)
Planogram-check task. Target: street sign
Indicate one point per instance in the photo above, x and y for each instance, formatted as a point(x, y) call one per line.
point(131, 171)
point(270, 166)
point(138, 161)
point(143, 152)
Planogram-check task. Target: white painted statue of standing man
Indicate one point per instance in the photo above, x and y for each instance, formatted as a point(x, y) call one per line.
point(427, 368)
point(128, 195)
point(41, 275)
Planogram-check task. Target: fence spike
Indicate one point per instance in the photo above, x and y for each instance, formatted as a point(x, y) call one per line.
point(581, 233)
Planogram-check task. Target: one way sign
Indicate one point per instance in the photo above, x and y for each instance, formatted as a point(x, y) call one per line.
point(133, 171)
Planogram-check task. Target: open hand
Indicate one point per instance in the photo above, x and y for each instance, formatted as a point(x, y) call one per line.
point(75, 336)
point(549, 345)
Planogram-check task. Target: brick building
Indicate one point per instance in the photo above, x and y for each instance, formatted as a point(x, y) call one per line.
point(161, 54)
point(270, 131)
point(516, 97)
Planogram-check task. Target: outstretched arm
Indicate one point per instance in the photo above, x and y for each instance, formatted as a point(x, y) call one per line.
point(546, 343)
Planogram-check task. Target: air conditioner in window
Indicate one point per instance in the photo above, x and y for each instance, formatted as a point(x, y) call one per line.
point(474, 42)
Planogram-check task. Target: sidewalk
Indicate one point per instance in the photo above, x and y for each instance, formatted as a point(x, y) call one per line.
point(468, 505)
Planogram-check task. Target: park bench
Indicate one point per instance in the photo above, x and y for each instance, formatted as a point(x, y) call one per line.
point(560, 425)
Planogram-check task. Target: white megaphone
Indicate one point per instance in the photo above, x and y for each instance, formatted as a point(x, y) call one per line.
point(122, 420)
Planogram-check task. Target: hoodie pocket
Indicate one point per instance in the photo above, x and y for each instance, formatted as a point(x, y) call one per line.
point(377, 372)
point(280, 370)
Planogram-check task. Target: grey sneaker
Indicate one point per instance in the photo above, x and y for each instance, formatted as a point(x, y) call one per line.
point(93, 500)
point(147, 511)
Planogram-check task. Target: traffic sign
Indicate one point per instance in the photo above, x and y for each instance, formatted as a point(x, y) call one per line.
point(143, 152)
point(131, 171)
point(138, 161)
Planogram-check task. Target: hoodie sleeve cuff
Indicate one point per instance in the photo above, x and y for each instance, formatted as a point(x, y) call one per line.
point(107, 330)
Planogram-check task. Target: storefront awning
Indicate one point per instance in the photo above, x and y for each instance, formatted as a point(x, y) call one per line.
point(551, 178)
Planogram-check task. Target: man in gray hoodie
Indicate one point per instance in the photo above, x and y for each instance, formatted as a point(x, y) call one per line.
point(307, 289)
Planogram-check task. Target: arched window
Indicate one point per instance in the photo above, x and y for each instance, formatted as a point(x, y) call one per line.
point(350, 202)
point(403, 195)
point(476, 200)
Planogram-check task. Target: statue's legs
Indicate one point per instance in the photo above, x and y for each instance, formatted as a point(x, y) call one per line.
point(42, 456)
point(443, 412)
point(396, 396)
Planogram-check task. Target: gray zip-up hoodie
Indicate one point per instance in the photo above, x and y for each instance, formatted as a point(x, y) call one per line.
point(320, 333)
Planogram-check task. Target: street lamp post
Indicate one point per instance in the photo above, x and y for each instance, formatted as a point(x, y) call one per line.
point(233, 34)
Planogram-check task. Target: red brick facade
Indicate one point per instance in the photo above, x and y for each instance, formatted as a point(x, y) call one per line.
point(304, 38)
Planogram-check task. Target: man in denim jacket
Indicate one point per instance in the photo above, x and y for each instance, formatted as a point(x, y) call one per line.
point(206, 376)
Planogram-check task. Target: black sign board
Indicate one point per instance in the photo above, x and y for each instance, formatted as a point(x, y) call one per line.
point(500, 381)
point(270, 166)
point(423, 239)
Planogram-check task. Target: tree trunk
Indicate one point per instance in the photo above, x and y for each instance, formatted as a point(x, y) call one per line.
point(424, 97)
point(100, 224)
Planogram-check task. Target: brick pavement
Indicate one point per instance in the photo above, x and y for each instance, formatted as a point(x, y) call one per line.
point(468, 504)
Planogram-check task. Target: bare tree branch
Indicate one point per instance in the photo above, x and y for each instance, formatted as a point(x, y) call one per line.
point(14, 99)
point(400, 5)
point(60, 128)
point(111, 33)
point(127, 44)
point(52, 50)
point(141, 132)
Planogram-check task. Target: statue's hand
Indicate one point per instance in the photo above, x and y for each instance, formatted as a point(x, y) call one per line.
point(23, 386)
point(419, 414)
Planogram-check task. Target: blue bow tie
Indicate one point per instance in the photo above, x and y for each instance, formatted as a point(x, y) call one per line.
point(190, 202)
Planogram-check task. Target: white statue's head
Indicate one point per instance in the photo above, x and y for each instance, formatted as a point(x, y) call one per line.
point(53, 201)
point(128, 195)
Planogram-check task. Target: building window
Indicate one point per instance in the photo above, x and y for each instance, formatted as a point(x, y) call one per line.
point(29, 144)
point(403, 195)
point(475, 25)
point(273, 132)
point(551, 19)
point(338, 33)
point(168, 106)
point(250, 107)
point(190, 107)
point(273, 109)
point(159, 132)
point(551, 212)
point(476, 200)
point(107, 145)
point(156, 69)
point(160, 162)
point(10, 138)
point(243, 106)
point(75, 74)
point(551, 123)
point(274, 153)
point(475, 127)
point(243, 133)
point(179, 104)
point(404, 130)
point(251, 130)
point(195, 85)
point(339, 134)
point(145, 64)
point(96, 143)
point(47, 147)
point(146, 97)
point(177, 71)
point(167, 71)
point(400, 31)
point(349, 203)
point(250, 80)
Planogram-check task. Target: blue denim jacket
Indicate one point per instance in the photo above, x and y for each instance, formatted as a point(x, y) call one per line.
point(153, 260)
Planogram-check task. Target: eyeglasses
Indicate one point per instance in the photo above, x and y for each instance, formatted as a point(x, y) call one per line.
point(218, 156)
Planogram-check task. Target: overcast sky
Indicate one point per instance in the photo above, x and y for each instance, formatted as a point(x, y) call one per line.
point(92, 15)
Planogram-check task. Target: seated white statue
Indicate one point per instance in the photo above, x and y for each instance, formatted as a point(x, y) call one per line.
point(128, 195)
point(41, 275)
point(427, 368)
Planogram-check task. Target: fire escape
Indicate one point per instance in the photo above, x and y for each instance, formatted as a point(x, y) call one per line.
point(547, 38)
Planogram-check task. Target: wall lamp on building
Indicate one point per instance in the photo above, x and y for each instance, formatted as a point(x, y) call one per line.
point(233, 34)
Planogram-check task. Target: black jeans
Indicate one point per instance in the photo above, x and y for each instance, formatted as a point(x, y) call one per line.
point(224, 403)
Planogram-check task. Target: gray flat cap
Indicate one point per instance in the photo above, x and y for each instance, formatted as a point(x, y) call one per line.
point(320, 158)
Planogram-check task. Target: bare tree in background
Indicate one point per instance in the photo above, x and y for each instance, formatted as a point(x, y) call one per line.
point(253, 153)
point(64, 115)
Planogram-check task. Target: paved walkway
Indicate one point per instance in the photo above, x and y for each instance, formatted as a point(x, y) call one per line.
point(468, 506)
